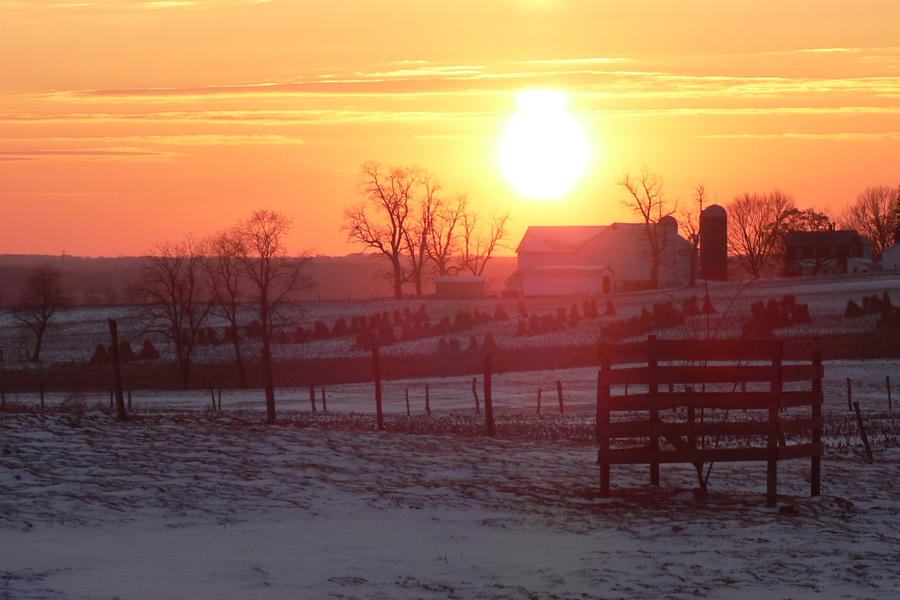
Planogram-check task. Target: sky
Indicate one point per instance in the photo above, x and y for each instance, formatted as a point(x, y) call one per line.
point(127, 123)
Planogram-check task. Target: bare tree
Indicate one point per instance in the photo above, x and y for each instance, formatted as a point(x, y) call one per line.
point(42, 296)
point(417, 233)
point(756, 228)
point(645, 197)
point(380, 223)
point(443, 238)
point(689, 225)
point(228, 288)
point(875, 215)
point(897, 217)
point(273, 276)
point(808, 219)
point(172, 280)
point(480, 240)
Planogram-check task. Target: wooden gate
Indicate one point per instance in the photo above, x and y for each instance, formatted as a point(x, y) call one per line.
point(709, 401)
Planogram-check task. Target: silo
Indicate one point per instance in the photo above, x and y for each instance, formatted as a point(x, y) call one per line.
point(714, 243)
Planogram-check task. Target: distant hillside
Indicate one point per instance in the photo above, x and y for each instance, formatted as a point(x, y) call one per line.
point(110, 281)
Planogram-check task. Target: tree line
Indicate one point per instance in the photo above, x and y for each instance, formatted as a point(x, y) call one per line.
point(408, 218)
point(241, 274)
point(758, 222)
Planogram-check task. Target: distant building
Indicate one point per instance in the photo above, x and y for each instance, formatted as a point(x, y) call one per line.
point(714, 243)
point(596, 259)
point(564, 280)
point(459, 286)
point(890, 258)
point(826, 252)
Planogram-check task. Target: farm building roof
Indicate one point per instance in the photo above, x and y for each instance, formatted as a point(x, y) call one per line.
point(555, 238)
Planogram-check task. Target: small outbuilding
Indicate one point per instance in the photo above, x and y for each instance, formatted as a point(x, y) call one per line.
point(566, 280)
point(890, 258)
point(459, 286)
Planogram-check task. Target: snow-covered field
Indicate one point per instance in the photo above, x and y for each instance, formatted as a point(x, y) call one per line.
point(181, 502)
point(75, 332)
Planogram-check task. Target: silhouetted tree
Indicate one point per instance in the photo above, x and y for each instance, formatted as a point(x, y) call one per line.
point(380, 222)
point(689, 226)
point(808, 219)
point(645, 197)
point(443, 239)
point(480, 239)
point(876, 215)
point(227, 286)
point(756, 228)
point(273, 276)
point(417, 233)
point(172, 279)
point(42, 296)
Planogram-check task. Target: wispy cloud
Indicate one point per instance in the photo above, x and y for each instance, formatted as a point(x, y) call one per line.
point(168, 4)
point(841, 136)
point(79, 153)
point(665, 78)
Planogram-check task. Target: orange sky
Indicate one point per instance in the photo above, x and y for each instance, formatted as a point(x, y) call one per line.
point(124, 123)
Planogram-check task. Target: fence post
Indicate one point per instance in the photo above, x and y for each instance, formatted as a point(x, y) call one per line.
point(427, 401)
point(602, 421)
point(117, 370)
point(475, 393)
point(408, 413)
point(539, 401)
point(324, 402)
point(488, 400)
point(312, 397)
point(376, 367)
point(774, 429)
point(653, 388)
point(887, 383)
point(815, 466)
point(862, 433)
point(559, 395)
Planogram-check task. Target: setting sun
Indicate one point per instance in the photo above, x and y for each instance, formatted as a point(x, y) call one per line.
point(544, 150)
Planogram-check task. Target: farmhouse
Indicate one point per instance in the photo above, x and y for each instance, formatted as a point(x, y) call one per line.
point(596, 259)
point(826, 252)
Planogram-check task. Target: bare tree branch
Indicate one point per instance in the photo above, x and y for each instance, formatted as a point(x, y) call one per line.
point(273, 276)
point(645, 197)
point(480, 240)
point(876, 215)
point(172, 280)
point(42, 296)
point(380, 222)
point(757, 224)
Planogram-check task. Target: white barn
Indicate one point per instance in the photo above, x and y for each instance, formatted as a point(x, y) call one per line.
point(596, 259)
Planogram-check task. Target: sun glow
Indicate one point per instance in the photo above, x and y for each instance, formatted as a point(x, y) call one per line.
point(544, 150)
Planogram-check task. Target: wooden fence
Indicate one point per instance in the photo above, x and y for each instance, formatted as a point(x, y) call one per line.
point(687, 394)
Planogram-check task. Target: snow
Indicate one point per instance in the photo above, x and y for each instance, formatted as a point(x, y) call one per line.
point(185, 503)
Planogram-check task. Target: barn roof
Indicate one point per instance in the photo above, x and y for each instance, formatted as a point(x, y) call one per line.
point(838, 238)
point(558, 238)
point(566, 238)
